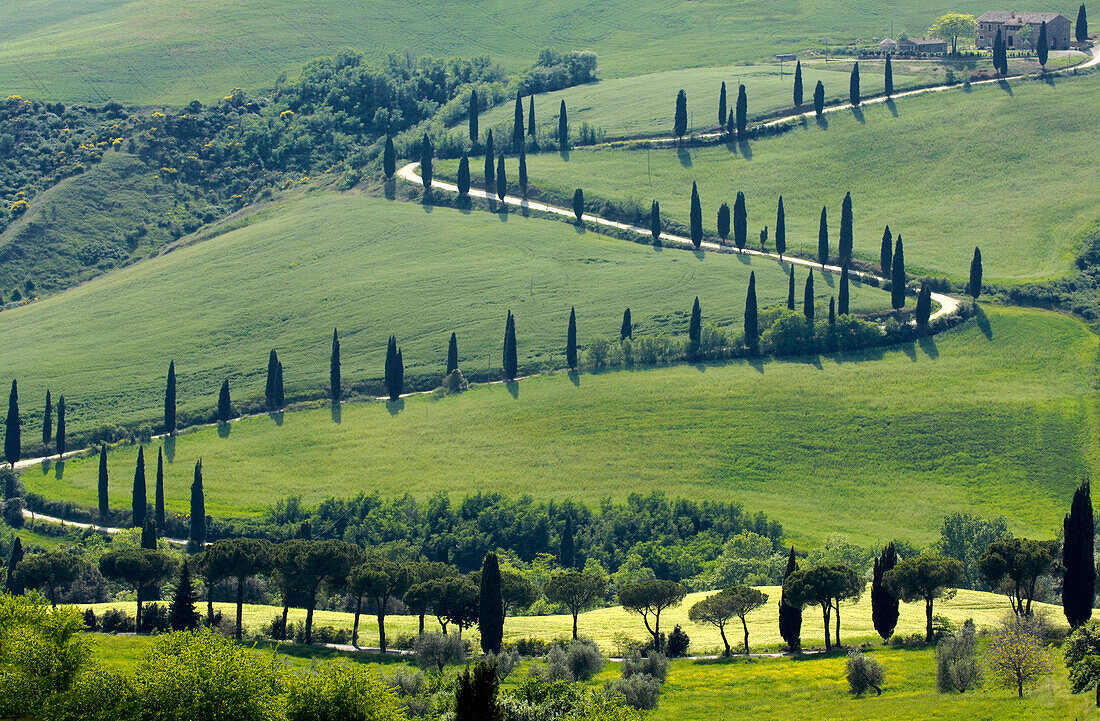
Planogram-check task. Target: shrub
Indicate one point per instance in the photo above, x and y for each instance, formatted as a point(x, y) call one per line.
point(641, 691)
point(505, 662)
point(91, 623)
point(155, 617)
point(557, 669)
point(584, 660)
point(531, 647)
point(595, 355)
point(678, 642)
point(653, 664)
point(406, 681)
point(13, 512)
point(341, 691)
point(96, 694)
point(436, 651)
point(957, 667)
point(863, 673)
point(115, 620)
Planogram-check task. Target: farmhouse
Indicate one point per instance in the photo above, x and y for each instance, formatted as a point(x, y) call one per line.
point(1010, 24)
point(928, 46)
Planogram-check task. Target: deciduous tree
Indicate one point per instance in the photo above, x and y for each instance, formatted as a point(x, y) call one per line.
point(1017, 654)
point(137, 567)
point(239, 559)
point(1082, 655)
point(953, 26)
point(576, 590)
point(1016, 565)
point(826, 586)
point(924, 578)
point(649, 599)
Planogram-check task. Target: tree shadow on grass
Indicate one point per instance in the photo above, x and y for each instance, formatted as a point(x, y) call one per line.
point(502, 214)
point(575, 377)
point(59, 470)
point(564, 154)
point(276, 416)
point(223, 430)
point(389, 189)
point(910, 349)
point(822, 122)
point(857, 113)
point(395, 407)
point(513, 388)
point(983, 323)
point(464, 205)
point(46, 466)
point(336, 410)
point(757, 363)
point(744, 149)
point(891, 106)
point(745, 258)
point(170, 449)
point(827, 278)
point(1048, 79)
point(699, 253)
point(684, 156)
point(1004, 85)
point(928, 345)
point(579, 227)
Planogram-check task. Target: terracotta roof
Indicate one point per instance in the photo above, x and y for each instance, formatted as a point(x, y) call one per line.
point(1004, 17)
point(925, 41)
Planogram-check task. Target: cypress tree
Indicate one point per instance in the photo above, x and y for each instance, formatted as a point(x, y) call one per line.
point(731, 123)
point(889, 84)
point(140, 500)
point(790, 617)
point(790, 289)
point(655, 222)
point(225, 405)
point(517, 123)
point(181, 611)
point(740, 222)
point(335, 386)
point(567, 553)
point(578, 205)
point(502, 180)
point(464, 176)
point(823, 238)
point(819, 99)
point(47, 422)
point(832, 311)
point(197, 536)
point(13, 446)
point(853, 86)
point(722, 105)
point(724, 221)
point(149, 536)
point(473, 116)
point(752, 328)
point(511, 363)
point(104, 508)
point(1081, 28)
point(843, 309)
point(563, 128)
point(1079, 579)
point(695, 330)
point(12, 584)
point(924, 305)
point(742, 112)
point(626, 330)
point(531, 116)
point(886, 253)
point(884, 605)
point(389, 158)
point(170, 400)
point(269, 387)
point(60, 427)
point(808, 297)
point(897, 277)
point(845, 242)
point(974, 287)
point(696, 217)
point(490, 616)
point(426, 161)
point(571, 340)
point(998, 52)
point(490, 162)
point(1042, 48)
point(780, 229)
point(394, 373)
point(158, 502)
point(280, 399)
point(523, 172)
point(452, 354)
point(798, 84)
point(680, 120)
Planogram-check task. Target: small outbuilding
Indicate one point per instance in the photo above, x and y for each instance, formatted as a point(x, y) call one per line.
point(924, 46)
point(888, 45)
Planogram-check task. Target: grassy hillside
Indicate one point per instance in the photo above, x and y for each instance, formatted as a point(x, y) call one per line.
point(170, 51)
point(951, 171)
point(372, 267)
point(643, 104)
point(997, 417)
point(87, 224)
point(602, 624)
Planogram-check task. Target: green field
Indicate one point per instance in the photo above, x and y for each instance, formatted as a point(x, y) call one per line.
point(602, 624)
point(951, 171)
point(642, 105)
point(996, 417)
point(372, 267)
point(170, 51)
